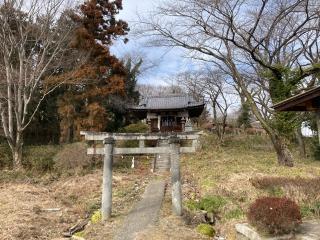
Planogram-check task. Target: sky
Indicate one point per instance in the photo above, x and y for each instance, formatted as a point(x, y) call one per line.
point(166, 62)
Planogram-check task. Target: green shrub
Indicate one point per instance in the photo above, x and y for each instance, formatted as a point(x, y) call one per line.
point(212, 203)
point(209, 204)
point(274, 216)
point(315, 148)
point(310, 209)
point(128, 144)
point(42, 164)
point(206, 229)
point(234, 214)
point(192, 205)
point(306, 211)
point(135, 128)
point(275, 191)
point(316, 153)
point(316, 208)
point(40, 158)
point(5, 156)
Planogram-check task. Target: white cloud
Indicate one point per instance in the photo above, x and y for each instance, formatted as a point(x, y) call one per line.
point(169, 61)
point(133, 8)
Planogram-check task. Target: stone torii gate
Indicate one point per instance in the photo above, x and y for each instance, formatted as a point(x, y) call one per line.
point(174, 149)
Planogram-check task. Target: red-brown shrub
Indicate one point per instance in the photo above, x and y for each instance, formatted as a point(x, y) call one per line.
point(274, 215)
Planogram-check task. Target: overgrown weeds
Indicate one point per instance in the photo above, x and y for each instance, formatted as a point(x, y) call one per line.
point(303, 190)
point(311, 209)
point(228, 169)
point(73, 159)
point(5, 156)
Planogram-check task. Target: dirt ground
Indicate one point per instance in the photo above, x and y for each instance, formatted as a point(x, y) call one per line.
point(46, 209)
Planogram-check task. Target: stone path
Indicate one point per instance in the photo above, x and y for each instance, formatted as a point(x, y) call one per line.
point(144, 213)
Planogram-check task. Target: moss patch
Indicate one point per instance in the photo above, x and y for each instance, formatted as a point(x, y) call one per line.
point(206, 229)
point(79, 234)
point(96, 217)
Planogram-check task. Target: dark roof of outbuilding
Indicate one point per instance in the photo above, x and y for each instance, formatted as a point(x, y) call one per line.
point(167, 102)
point(306, 101)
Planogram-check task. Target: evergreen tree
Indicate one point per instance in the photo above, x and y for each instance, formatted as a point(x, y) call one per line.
point(83, 105)
point(244, 118)
point(118, 104)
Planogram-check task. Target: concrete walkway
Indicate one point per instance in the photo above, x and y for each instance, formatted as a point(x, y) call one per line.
point(144, 213)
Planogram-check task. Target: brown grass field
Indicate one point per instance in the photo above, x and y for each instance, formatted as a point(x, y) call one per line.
point(227, 170)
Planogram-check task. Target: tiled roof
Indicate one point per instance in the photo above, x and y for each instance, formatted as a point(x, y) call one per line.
point(168, 102)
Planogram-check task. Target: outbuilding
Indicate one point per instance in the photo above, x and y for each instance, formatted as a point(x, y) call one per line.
point(308, 101)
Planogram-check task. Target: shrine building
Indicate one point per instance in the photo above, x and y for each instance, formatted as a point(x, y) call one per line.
point(171, 113)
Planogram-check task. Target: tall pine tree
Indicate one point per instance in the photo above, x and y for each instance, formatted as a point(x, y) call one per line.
point(83, 105)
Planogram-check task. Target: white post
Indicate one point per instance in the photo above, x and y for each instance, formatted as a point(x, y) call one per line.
point(195, 144)
point(159, 122)
point(141, 144)
point(175, 175)
point(107, 179)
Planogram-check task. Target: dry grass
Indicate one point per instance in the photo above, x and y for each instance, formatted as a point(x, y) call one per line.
point(226, 170)
point(216, 169)
point(22, 203)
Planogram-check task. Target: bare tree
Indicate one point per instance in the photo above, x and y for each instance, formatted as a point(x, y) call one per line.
point(265, 47)
point(190, 82)
point(32, 48)
point(158, 90)
point(211, 86)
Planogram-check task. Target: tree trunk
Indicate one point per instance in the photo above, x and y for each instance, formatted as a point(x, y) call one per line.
point(17, 157)
point(16, 150)
point(283, 153)
point(302, 147)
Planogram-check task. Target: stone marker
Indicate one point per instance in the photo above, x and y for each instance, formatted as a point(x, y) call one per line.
point(309, 230)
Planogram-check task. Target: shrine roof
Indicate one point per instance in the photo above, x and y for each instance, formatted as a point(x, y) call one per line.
point(168, 102)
